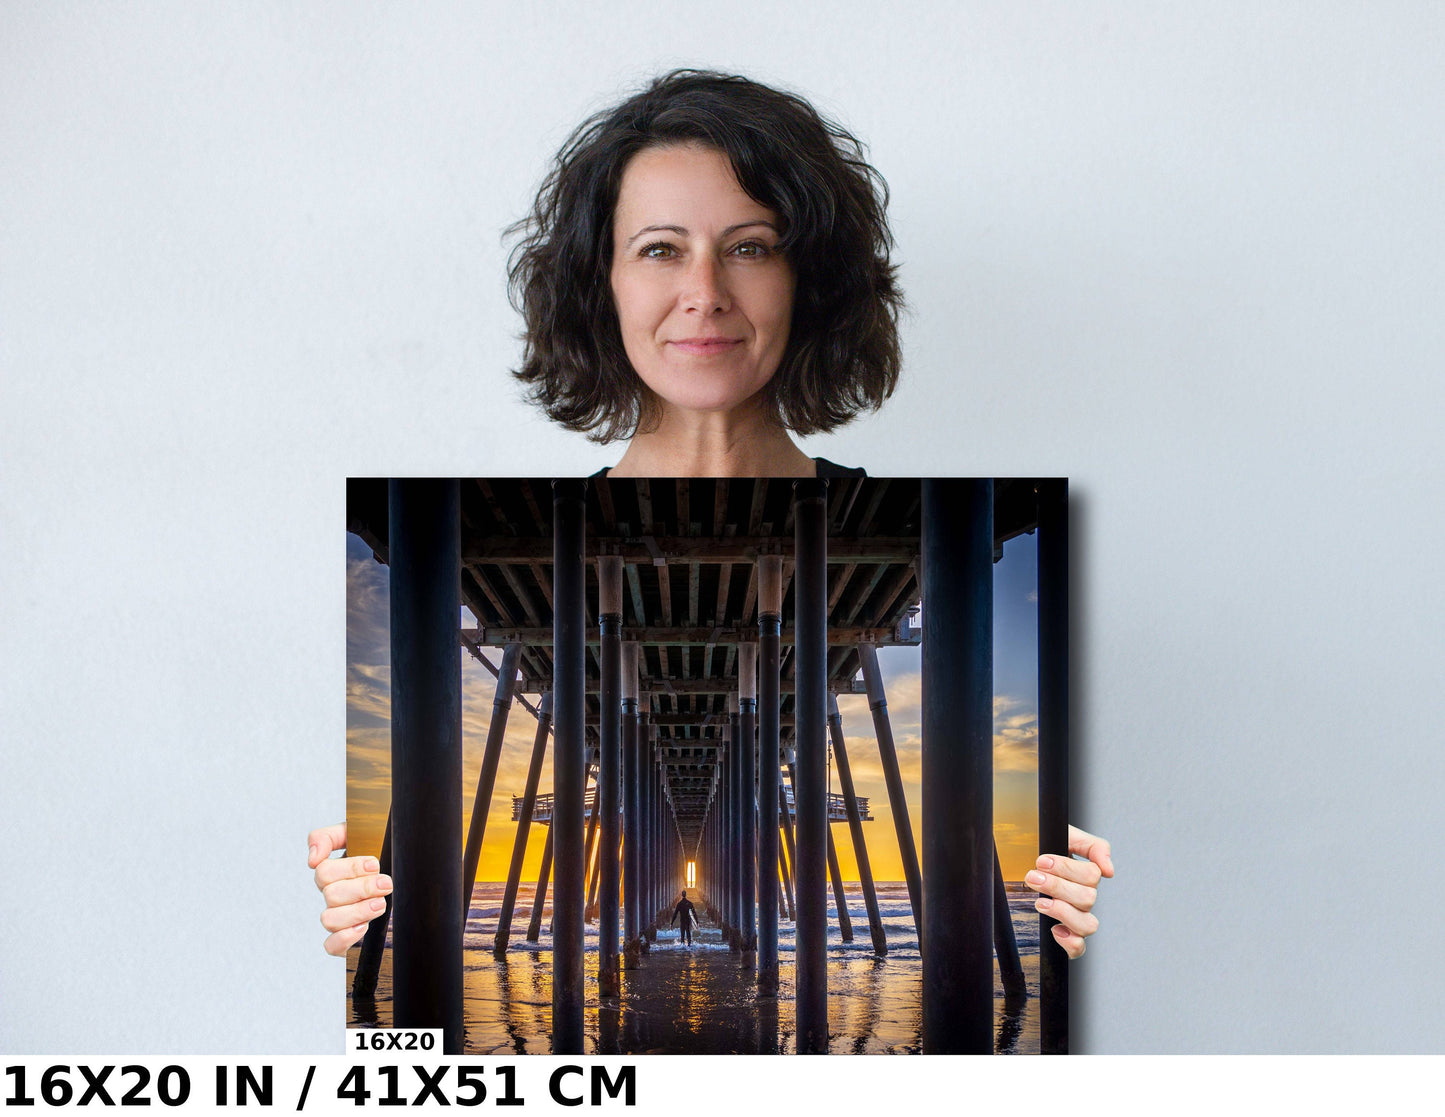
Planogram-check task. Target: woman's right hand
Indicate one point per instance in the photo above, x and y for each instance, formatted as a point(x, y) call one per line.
point(354, 887)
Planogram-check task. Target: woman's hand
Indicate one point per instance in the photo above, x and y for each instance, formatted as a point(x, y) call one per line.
point(354, 888)
point(1069, 888)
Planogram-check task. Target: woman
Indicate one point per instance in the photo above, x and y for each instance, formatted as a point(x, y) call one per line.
point(704, 273)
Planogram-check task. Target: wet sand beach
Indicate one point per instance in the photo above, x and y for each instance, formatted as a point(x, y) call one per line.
point(700, 999)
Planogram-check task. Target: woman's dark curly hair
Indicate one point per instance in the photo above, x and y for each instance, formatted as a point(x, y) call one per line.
point(842, 354)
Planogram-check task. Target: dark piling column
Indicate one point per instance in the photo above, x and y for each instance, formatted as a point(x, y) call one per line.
point(770, 582)
point(644, 840)
point(1053, 745)
point(487, 780)
point(569, 762)
point(648, 791)
point(544, 874)
point(957, 566)
point(664, 861)
point(735, 769)
point(840, 901)
point(524, 825)
point(790, 868)
point(1005, 942)
point(649, 913)
point(786, 873)
point(747, 739)
point(810, 588)
point(424, 552)
point(631, 831)
point(855, 827)
point(589, 859)
point(373, 943)
point(592, 910)
point(618, 700)
point(725, 835)
point(897, 803)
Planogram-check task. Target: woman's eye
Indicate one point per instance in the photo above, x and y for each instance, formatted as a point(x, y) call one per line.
point(659, 250)
point(751, 249)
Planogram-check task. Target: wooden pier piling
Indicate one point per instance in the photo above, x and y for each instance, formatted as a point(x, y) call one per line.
point(957, 560)
point(424, 551)
point(524, 824)
point(769, 749)
point(810, 596)
point(897, 802)
point(487, 779)
point(1053, 744)
point(855, 827)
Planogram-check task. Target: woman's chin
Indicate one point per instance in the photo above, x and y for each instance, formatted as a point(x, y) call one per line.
point(706, 400)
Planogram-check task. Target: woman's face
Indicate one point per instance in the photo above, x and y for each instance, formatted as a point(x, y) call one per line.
point(703, 297)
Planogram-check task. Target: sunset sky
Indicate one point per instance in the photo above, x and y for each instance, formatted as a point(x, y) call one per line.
point(368, 737)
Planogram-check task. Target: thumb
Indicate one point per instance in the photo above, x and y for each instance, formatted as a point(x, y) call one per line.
point(323, 842)
point(1095, 848)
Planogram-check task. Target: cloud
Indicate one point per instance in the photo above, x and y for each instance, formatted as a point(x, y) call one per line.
point(1015, 735)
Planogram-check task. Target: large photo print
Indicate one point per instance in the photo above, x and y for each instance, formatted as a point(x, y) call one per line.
point(704, 766)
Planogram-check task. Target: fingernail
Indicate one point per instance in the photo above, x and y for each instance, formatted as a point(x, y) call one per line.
point(378, 905)
point(1061, 931)
point(371, 865)
point(1035, 878)
point(311, 856)
point(383, 883)
point(1043, 903)
point(1045, 862)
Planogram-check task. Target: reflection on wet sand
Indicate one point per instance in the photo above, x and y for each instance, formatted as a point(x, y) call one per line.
point(701, 1000)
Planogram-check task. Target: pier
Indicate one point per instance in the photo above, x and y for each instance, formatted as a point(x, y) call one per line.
point(686, 641)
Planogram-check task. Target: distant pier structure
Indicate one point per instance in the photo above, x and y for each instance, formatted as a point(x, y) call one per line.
point(687, 639)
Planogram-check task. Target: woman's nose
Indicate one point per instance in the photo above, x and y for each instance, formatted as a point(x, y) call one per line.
point(705, 287)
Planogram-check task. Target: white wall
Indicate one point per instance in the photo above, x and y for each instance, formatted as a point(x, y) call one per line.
point(1189, 258)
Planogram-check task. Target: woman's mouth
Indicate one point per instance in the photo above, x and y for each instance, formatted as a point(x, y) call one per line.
point(706, 346)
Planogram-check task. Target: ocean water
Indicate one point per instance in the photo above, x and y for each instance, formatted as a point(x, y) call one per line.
point(698, 1000)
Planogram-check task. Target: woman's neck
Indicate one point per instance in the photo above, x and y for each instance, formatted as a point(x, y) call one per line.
point(743, 443)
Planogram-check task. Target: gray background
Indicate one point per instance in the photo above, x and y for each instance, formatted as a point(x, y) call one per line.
point(1189, 257)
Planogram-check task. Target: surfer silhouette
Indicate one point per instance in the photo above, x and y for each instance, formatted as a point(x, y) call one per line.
point(687, 912)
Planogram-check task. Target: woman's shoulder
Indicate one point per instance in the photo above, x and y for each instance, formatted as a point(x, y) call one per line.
point(833, 469)
point(825, 469)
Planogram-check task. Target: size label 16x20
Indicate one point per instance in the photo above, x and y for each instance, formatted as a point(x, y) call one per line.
point(390, 1042)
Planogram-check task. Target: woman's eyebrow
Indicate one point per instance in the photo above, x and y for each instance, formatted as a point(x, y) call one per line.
point(680, 231)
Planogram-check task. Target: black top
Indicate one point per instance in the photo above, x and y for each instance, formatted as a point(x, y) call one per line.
point(825, 469)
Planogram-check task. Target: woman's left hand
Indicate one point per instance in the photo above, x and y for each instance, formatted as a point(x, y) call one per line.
point(1069, 888)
